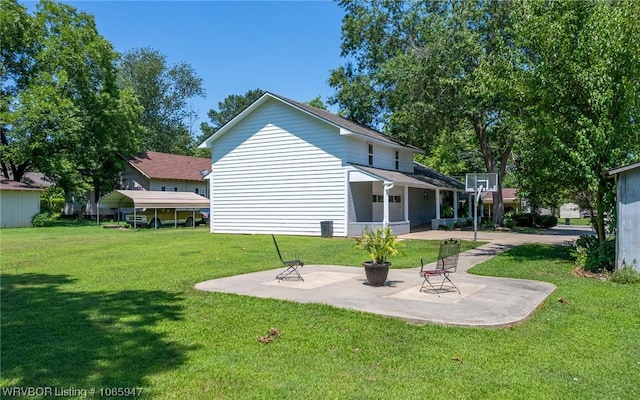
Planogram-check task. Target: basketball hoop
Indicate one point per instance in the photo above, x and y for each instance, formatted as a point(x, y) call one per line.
point(480, 183)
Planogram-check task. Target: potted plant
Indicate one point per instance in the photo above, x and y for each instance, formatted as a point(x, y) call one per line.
point(379, 243)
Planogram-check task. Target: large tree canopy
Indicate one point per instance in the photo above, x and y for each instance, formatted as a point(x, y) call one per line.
point(62, 112)
point(556, 81)
point(164, 92)
point(581, 97)
point(427, 69)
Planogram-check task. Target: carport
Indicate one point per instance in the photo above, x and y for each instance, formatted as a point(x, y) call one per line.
point(152, 199)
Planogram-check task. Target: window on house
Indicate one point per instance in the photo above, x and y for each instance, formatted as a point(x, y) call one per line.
point(163, 189)
point(197, 190)
point(175, 189)
point(370, 148)
point(397, 159)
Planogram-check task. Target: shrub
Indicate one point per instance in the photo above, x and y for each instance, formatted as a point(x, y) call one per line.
point(546, 221)
point(43, 219)
point(523, 219)
point(509, 222)
point(595, 256)
point(444, 227)
point(488, 225)
point(626, 275)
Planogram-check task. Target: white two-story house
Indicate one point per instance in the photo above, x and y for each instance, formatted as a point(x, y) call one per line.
point(285, 167)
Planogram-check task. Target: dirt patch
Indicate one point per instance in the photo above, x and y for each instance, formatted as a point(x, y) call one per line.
point(578, 271)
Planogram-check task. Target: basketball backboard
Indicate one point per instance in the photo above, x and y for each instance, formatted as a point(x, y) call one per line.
point(488, 181)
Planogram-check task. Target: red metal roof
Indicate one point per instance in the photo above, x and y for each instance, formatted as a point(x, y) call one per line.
point(170, 166)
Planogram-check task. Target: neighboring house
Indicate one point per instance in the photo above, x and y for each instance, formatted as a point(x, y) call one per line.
point(285, 167)
point(164, 172)
point(19, 202)
point(155, 171)
point(509, 198)
point(628, 206)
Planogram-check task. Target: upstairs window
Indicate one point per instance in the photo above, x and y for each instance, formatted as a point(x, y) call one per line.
point(397, 154)
point(370, 150)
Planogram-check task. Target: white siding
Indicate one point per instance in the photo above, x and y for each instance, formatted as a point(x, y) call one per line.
point(383, 156)
point(278, 171)
point(17, 207)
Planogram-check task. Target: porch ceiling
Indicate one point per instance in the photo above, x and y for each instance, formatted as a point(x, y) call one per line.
point(422, 177)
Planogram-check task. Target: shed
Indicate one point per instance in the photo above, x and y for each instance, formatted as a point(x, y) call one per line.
point(19, 203)
point(628, 206)
point(152, 199)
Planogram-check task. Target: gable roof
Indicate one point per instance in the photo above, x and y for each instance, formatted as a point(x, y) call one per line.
point(7, 184)
point(156, 165)
point(346, 126)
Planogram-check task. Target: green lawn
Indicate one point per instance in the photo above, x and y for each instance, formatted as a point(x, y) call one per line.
point(87, 307)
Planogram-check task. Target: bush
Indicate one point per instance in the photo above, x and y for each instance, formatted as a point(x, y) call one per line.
point(509, 223)
point(444, 227)
point(522, 219)
point(626, 275)
point(546, 221)
point(43, 219)
point(488, 225)
point(595, 256)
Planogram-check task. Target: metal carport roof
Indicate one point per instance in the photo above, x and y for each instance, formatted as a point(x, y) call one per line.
point(152, 199)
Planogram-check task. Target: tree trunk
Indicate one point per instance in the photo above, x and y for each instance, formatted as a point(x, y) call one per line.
point(600, 193)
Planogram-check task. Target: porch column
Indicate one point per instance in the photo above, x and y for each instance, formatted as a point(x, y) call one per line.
point(385, 218)
point(455, 204)
point(437, 203)
point(406, 203)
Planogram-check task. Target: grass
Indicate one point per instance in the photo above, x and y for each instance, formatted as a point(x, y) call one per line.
point(87, 307)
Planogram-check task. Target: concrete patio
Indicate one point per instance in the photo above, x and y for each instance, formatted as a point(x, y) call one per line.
point(483, 302)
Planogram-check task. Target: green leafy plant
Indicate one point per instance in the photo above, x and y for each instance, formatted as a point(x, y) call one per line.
point(593, 255)
point(43, 219)
point(627, 274)
point(546, 221)
point(379, 243)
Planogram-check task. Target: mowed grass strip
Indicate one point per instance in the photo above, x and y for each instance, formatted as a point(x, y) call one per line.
point(87, 307)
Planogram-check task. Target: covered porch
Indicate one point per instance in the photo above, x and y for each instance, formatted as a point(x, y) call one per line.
point(400, 200)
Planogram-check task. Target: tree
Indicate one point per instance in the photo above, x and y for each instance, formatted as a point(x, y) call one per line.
point(164, 92)
point(231, 106)
point(423, 69)
point(62, 112)
point(582, 97)
point(317, 103)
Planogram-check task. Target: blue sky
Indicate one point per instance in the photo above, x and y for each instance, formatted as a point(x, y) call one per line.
point(285, 47)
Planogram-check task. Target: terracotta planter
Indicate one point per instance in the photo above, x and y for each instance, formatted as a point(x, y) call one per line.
point(376, 273)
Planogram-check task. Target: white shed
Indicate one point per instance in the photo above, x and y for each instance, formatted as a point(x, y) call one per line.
point(628, 205)
point(19, 203)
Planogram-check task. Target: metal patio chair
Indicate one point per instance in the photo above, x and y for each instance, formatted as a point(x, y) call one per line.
point(447, 264)
point(291, 273)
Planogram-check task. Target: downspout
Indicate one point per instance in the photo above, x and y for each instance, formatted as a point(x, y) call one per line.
point(385, 219)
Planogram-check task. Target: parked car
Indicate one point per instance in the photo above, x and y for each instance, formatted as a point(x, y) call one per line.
point(164, 216)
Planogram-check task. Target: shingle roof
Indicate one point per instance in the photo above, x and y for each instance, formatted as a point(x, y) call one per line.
point(422, 176)
point(343, 122)
point(507, 194)
point(7, 184)
point(170, 166)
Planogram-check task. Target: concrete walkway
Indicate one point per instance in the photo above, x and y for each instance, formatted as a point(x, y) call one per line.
point(483, 302)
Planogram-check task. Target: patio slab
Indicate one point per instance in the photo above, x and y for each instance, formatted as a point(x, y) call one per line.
point(483, 302)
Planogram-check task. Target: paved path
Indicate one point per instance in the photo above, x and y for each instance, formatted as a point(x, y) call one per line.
point(483, 302)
